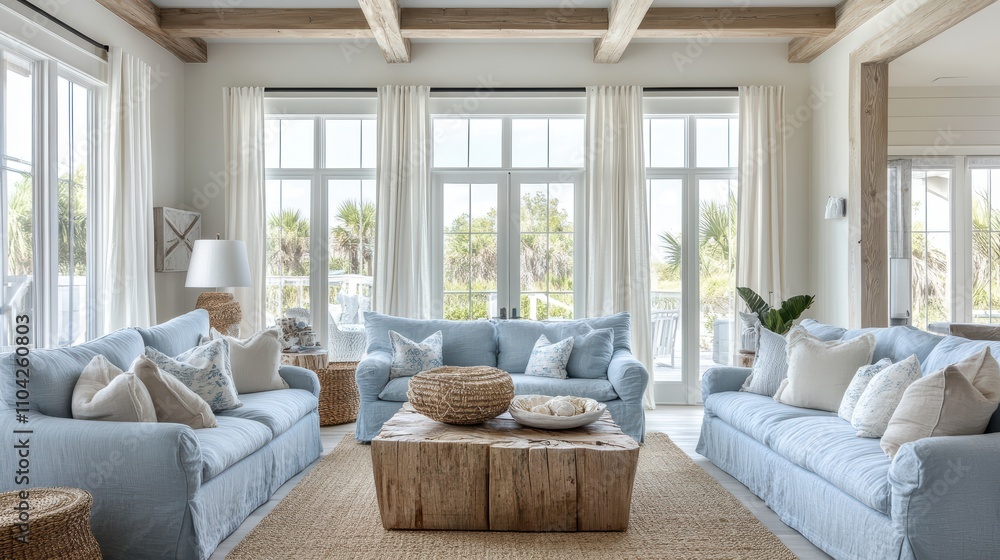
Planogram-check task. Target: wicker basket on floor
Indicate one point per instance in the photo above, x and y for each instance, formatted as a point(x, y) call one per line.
point(59, 524)
point(338, 394)
point(461, 395)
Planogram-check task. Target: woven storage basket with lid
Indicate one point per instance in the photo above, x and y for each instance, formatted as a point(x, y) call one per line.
point(338, 393)
point(461, 395)
point(59, 525)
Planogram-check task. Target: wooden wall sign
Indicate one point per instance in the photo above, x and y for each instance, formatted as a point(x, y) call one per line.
point(174, 234)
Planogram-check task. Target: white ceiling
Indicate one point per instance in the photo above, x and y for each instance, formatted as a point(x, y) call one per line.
point(965, 55)
point(496, 4)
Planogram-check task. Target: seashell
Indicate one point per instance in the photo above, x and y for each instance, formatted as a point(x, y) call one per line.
point(541, 409)
point(562, 408)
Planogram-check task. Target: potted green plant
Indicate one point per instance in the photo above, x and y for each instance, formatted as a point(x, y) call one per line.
point(776, 319)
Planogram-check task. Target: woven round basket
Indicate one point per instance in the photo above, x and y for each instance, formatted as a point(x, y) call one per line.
point(338, 394)
point(58, 525)
point(461, 395)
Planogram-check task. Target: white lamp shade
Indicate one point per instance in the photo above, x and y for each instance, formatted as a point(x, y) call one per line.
point(218, 263)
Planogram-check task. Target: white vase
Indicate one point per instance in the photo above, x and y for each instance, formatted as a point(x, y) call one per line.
point(750, 334)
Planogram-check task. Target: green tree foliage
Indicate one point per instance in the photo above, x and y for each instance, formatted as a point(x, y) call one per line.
point(352, 237)
point(72, 224)
point(20, 236)
point(985, 256)
point(471, 259)
point(288, 244)
point(716, 238)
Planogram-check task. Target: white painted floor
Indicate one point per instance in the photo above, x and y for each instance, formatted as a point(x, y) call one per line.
point(681, 423)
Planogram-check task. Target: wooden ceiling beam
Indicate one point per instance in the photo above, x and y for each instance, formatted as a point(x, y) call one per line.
point(850, 14)
point(384, 20)
point(261, 23)
point(503, 23)
point(145, 16)
point(624, 18)
point(498, 23)
point(737, 22)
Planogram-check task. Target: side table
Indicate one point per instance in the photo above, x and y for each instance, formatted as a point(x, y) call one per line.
point(59, 524)
point(745, 359)
point(338, 391)
point(313, 359)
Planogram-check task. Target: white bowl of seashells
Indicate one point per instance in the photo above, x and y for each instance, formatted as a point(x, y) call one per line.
point(555, 413)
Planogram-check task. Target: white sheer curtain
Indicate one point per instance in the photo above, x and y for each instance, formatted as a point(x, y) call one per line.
point(243, 116)
point(760, 228)
point(127, 278)
point(402, 283)
point(617, 236)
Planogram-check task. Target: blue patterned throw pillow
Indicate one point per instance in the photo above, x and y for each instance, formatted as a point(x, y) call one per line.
point(549, 359)
point(410, 358)
point(204, 369)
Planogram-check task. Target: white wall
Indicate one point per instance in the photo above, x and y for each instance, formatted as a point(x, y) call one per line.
point(498, 65)
point(167, 122)
point(941, 121)
point(830, 160)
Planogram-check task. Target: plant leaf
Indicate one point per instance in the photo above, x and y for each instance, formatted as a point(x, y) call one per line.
point(754, 302)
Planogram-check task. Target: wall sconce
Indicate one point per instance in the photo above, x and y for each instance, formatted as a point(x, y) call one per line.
point(836, 208)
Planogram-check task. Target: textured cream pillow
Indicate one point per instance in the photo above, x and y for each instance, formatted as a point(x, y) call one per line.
point(172, 400)
point(255, 361)
point(104, 392)
point(819, 372)
point(858, 385)
point(881, 397)
point(955, 401)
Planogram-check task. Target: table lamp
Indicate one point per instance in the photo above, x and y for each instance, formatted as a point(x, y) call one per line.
point(219, 263)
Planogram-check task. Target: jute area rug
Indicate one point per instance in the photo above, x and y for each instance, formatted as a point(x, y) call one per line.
point(678, 512)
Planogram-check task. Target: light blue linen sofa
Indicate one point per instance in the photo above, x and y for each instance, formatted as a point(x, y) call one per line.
point(506, 345)
point(161, 490)
point(939, 498)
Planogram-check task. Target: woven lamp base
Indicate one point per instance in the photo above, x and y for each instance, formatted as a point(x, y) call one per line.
point(224, 313)
point(461, 395)
point(338, 394)
point(59, 525)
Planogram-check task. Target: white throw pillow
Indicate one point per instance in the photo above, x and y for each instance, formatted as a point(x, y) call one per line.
point(254, 361)
point(819, 372)
point(350, 305)
point(770, 366)
point(549, 359)
point(172, 400)
point(205, 370)
point(955, 401)
point(104, 392)
point(410, 358)
point(882, 396)
point(858, 385)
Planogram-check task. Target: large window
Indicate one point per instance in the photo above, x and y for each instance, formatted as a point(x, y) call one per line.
point(46, 266)
point(944, 240)
point(320, 202)
point(691, 176)
point(507, 188)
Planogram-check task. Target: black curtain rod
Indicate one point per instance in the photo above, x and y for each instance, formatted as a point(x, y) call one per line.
point(475, 90)
point(65, 25)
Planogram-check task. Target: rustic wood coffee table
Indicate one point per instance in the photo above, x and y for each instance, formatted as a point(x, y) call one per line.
point(501, 476)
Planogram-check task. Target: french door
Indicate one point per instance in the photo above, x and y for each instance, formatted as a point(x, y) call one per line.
point(692, 242)
point(508, 244)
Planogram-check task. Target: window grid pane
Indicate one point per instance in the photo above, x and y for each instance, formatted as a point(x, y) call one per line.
point(470, 251)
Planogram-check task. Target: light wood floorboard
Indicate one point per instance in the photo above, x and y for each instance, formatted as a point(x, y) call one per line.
point(681, 423)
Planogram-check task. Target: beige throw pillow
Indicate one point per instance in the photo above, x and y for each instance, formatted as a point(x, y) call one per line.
point(173, 401)
point(104, 392)
point(819, 372)
point(957, 400)
point(255, 360)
